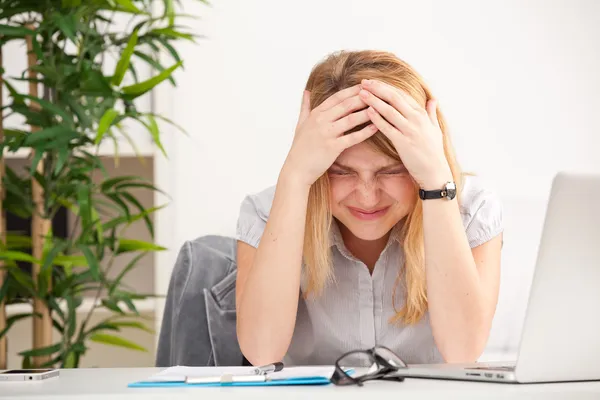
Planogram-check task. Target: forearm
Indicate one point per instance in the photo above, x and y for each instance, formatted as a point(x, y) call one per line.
point(458, 306)
point(269, 303)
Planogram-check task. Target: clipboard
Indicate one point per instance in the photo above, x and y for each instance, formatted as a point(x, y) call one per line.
point(182, 376)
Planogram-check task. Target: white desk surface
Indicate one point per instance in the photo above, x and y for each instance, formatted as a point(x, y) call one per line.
point(111, 383)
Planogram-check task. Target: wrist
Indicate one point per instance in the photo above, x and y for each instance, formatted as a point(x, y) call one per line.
point(290, 178)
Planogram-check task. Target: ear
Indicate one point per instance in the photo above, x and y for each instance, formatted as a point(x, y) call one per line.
point(432, 112)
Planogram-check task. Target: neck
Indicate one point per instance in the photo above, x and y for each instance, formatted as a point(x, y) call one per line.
point(367, 251)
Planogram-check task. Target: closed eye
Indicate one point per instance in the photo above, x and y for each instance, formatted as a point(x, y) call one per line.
point(395, 172)
point(343, 173)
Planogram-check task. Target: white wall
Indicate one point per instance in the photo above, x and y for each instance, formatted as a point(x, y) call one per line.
point(517, 80)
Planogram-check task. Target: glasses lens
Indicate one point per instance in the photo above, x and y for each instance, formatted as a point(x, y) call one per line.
point(360, 362)
point(390, 357)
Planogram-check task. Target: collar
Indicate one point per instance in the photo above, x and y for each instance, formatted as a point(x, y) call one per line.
point(336, 239)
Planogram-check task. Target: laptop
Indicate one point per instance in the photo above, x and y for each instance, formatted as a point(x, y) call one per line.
point(560, 339)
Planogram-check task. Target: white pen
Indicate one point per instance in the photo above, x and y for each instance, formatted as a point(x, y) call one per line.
point(265, 369)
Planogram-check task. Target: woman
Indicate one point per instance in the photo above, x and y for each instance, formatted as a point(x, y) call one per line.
point(345, 253)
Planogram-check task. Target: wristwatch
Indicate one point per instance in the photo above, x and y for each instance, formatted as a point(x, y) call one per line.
point(448, 192)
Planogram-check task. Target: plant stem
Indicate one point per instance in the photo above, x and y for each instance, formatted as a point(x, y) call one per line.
point(3, 273)
point(42, 324)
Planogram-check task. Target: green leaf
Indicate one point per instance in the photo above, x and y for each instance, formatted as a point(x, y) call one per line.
point(170, 11)
point(51, 108)
point(125, 59)
point(63, 157)
point(170, 49)
point(132, 324)
point(70, 360)
point(44, 351)
point(126, 245)
point(117, 199)
point(19, 256)
point(79, 111)
point(49, 259)
point(67, 25)
point(110, 183)
point(50, 134)
point(37, 157)
point(133, 91)
point(113, 223)
point(128, 267)
point(167, 120)
point(92, 261)
point(128, 196)
point(154, 130)
point(173, 34)
point(115, 341)
point(83, 198)
point(112, 305)
point(16, 31)
point(127, 5)
point(105, 123)
point(11, 320)
point(153, 63)
point(24, 280)
point(27, 364)
point(71, 322)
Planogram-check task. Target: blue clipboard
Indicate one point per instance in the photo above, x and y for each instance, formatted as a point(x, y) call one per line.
point(317, 380)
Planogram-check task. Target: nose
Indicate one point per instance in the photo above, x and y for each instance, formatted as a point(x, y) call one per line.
point(367, 194)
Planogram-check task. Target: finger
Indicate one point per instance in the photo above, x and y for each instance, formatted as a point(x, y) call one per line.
point(391, 95)
point(338, 97)
point(346, 107)
point(351, 121)
point(385, 127)
point(387, 111)
point(305, 107)
point(357, 137)
point(432, 112)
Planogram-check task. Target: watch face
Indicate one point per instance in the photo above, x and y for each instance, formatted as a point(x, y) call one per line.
point(450, 190)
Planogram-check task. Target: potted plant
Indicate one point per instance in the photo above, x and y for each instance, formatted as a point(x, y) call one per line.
point(73, 104)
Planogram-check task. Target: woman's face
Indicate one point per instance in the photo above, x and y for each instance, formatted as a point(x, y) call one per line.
point(370, 192)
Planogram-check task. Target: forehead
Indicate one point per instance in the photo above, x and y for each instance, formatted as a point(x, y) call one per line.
point(364, 155)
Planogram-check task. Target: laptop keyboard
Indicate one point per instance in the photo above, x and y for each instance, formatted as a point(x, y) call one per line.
point(496, 368)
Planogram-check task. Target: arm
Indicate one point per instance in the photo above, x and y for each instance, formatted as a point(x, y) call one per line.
point(268, 283)
point(462, 284)
point(268, 279)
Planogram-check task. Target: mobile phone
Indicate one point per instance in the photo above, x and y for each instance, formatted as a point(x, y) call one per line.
point(28, 374)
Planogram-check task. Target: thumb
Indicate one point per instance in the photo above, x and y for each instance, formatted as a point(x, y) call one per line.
point(305, 107)
point(432, 112)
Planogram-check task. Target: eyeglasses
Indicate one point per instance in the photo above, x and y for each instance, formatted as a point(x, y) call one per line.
point(380, 360)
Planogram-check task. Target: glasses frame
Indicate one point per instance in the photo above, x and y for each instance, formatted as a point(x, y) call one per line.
point(341, 378)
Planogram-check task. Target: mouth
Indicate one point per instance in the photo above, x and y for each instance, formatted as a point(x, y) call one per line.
point(368, 215)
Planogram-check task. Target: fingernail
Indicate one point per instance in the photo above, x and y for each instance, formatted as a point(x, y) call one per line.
point(366, 82)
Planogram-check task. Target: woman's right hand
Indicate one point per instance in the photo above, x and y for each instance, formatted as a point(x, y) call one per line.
point(319, 138)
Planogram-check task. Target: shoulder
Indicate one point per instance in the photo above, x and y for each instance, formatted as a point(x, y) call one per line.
point(259, 203)
point(253, 215)
point(481, 210)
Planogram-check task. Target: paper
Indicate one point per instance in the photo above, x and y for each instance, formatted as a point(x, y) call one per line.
point(179, 373)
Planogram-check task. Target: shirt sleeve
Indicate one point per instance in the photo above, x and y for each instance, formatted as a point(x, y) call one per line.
point(253, 216)
point(482, 212)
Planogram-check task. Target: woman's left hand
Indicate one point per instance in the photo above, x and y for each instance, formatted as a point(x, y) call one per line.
point(414, 132)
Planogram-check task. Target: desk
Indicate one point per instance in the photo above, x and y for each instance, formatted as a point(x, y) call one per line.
point(111, 383)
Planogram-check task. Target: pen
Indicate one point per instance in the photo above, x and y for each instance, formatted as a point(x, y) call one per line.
point(265, 369)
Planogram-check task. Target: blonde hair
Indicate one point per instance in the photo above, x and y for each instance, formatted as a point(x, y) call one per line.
point(338, 71)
